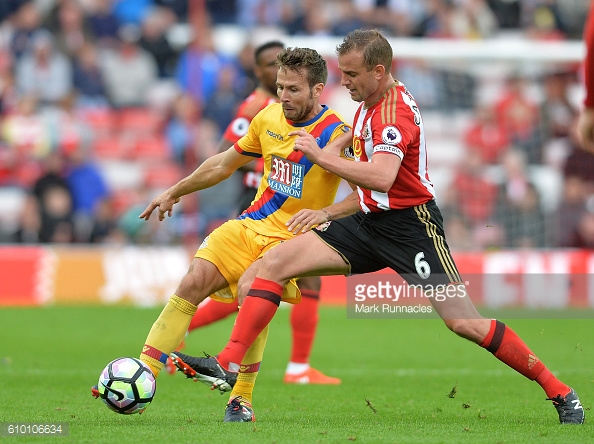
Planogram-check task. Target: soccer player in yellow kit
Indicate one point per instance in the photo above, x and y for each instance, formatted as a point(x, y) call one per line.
point(304, 316)
point(291, 184)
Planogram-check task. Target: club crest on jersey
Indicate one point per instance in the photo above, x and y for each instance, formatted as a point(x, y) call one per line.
point(286, 177)
point(391, 135)
point(349, 152)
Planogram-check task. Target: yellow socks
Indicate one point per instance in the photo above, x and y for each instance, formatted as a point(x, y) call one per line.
point(246, 379)
point(167, 333)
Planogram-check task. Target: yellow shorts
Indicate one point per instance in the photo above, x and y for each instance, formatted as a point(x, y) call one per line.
point(232, 248)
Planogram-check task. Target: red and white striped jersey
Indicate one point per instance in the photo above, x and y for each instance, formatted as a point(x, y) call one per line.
point(393, 126)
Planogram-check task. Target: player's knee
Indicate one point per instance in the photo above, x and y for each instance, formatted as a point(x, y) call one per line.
point(272, 261)
point(191, 287)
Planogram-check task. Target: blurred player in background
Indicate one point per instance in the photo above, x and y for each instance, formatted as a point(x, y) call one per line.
point(586, 121)
point(304, 316)
point(291, 184)
point(398, 225)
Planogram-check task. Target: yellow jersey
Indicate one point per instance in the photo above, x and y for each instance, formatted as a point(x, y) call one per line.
point(290, 182)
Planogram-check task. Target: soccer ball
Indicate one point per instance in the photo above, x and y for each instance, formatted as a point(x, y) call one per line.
point(127, 385)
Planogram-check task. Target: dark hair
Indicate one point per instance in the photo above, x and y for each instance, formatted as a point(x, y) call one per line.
point(304, 59)
point(263, 47)
point(374, 46)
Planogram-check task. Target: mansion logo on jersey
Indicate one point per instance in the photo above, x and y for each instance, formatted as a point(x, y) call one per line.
point(286, 177)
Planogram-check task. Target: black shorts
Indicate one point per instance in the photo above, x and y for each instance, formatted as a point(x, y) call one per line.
point(410, 241)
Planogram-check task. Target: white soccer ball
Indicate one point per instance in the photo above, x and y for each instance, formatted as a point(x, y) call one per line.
point(127, 385)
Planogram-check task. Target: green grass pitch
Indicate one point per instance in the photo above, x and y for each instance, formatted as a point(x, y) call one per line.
point(403, 381)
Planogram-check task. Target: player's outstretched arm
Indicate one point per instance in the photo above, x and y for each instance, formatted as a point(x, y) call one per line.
point(213, 170)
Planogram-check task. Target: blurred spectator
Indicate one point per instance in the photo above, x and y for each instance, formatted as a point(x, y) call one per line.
point(542, 21)
point(129, 71)
point(580, 163)
point(10, 7)
point(182, 127)
point(26, 22)
point(26, 131)
point(245, 64)
point(68, 131)
point(572, 14)
point(458, 89)
point(68, 24)
point(519, 210)
point(585, 230)
point(223, 103)
point(29, 222)
point(313, 18)
point(55, 201)
point(103, 23)
point(197, 71)
point(557, 112)
point(425, 81)
point(459, 233)
point(8, 89)
point(507, 12)
point(88, 81)
point(154, 41)
point(105, 228)
point(435, 20)
point(578, 189)
point(470, 194)
point(472, 19)
point(253, 13)
point(395, 17)
point(486, 136)
point(44, 71)
point(89, 191)
point(519, 116)
point(131, 11)
point(178, 7)
point(570, 211)
point(347, 18)
point(223, 11)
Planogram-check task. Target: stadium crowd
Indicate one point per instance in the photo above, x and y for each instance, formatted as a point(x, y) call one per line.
point(102, 102)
